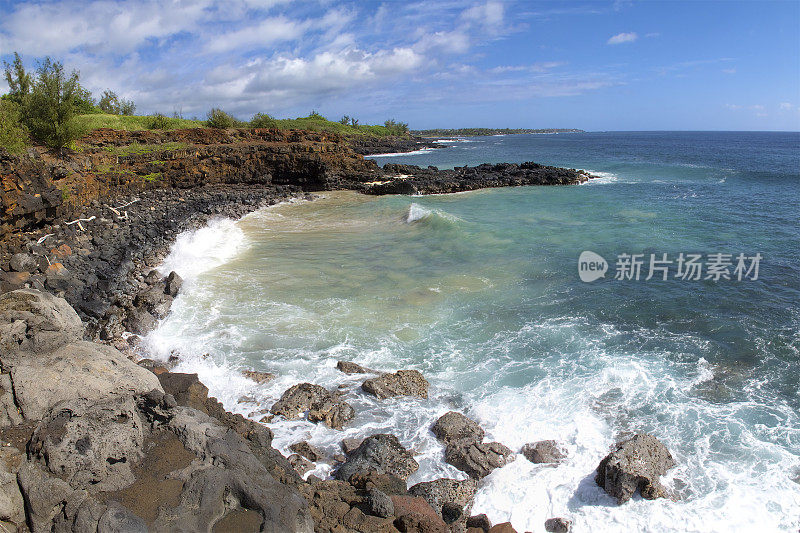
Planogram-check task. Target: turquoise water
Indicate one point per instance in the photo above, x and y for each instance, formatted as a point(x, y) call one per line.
point(480, 291)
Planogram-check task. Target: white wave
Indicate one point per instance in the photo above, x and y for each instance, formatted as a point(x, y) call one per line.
point(398, 154)
point(416, 212)
point(199, 250)
point(602, 178)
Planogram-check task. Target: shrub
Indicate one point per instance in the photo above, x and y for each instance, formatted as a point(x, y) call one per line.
point(157, 121)
point(49, 109)
point(18, 79)
point(13, 135)
point(217, 118)
point(262, 120)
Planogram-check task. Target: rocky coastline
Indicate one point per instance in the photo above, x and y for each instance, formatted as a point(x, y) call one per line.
point(97, 437)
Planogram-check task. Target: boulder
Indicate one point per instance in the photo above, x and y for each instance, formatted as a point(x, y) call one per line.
point(12, 506)
point(386, 483)
point(24, 263)
point(36, 322)
point(476, 459)
point(140, 321)
point(380, 453)
point(172, 284)
point(505, 527)
point(80, 370)
point(454, 426)
point(320, 404)
point(545, 451)
point(635, 464)
point(558, 525)
point(90, 444)
point(309, 451)
point(11, 281)
point(352, 368)
point(186, 388)
point(450, 498)
point(349, 445)
point(415, 515)
point(118, 519)
point(401, 383)
point(155, 300)
point(300, 464)
point(379, 503)
point(479, 522)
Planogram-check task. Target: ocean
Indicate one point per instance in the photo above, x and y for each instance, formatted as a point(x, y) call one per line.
point(481, 292)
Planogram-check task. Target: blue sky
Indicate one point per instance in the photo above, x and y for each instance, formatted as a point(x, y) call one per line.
point(615, 65)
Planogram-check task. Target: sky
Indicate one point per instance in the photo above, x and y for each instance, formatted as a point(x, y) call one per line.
point(599, 65)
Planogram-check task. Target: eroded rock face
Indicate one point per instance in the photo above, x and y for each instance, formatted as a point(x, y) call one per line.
point(635, 464)
point(321, 405)
point(91, 445)
point(454, 426)
point(450, 498)
point(545, 451)
point(37, 322)
point(401, 383)
point(380, 453)
point(80, 370)
point(477, 459)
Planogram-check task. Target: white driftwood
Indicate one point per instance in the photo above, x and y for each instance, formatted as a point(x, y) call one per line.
point(78, 222)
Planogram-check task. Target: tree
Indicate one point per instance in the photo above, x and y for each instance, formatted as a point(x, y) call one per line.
point(18, 79)
point(353, 121)
point(49, 109)
point(217, 118)
point(344, 120)
point(112, 104)
point(13, 135)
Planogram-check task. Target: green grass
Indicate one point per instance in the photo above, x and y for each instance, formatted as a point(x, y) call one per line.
point(152, 177)
point(90, 123)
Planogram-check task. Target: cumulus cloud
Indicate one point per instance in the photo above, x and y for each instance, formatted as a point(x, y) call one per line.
point(622, 38)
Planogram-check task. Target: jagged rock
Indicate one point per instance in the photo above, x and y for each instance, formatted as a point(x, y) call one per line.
point(381, 453)
point(37, 322)
point(155, 300)
point(415, 515)
point(386, 483)
point(309, 451)
point(300, 464)
point(545, 451)
point(172, 284)
point(450, 498)
point(352, 368)
point(401, 383)
point(476, 459)
point(186, 388)
point(12, 506)
point(558, 525)
point(140, 321)
point(258, 377)
point(479, 522)
point(320, 404)
point(349, 445)
point(379, 503)
point(230, 472)
point(454, 426)
point(24, 263)
point(80, 370)
point(635, 464)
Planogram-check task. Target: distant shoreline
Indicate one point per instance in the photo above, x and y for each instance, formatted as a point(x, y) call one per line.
point(481, 132)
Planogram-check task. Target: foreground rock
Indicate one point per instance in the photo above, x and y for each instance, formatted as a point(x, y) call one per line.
point(401, 383)
point(109, 450)
point(635, 464)
point(317, 401)
point(464, 448)
point(450, 498)
point(558, 525)
point(380, 453)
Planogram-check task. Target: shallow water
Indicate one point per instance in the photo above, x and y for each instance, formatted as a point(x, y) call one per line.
point(480, 292)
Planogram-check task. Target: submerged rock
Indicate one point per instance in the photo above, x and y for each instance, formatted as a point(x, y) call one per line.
point(544, 451)
point(477, 459)
point(258, 377)
point(352, 368)
point(380, 453)
point(401, 383)
point(309, 451)
point(635, 464)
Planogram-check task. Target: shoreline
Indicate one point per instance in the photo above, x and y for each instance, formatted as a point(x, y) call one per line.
point(110, 255)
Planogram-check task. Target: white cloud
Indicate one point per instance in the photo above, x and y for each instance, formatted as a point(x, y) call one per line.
point(265, 33)
point(622, 38)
